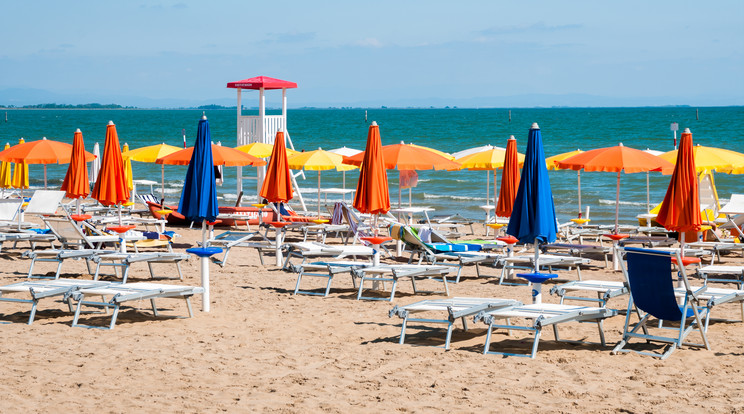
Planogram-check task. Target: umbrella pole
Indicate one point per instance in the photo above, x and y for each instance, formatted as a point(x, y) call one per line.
point(578, 180)
point(205, 270)
point(648, 194)
point(495, 195)
point(162, 185)
point(77, 206)
point(45, 177)
point(617, 203)
point(409, 197)
point(488, 189)
point(318, 194)
point(537, 257)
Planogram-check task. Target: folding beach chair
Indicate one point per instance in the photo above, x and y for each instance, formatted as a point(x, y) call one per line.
point(454, 309)
point(651, 287)
point(38, 290)
point(542, 315)
point(122, 293)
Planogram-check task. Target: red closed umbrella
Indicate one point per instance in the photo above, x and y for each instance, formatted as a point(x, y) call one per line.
point(372, 194)
point(76, 184)
point(111, 186)
point(680, 210)
point(509, 180)
point(277, 185)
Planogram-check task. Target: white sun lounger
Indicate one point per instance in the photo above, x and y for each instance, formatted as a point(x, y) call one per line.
point(393, 273)
point(454, 309)
point(723, 274)
point(38, 290)
point(327, 270)
point(546, 260)
point(314, 250)
point(119, 294)
point(542, 315)
point(229, 239)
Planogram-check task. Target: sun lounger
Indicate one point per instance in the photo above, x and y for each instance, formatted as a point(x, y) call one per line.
point(229, 239)
point(124, 260)
point(652, 294)
point(454, 309)
point(326, 270)
point(542, 315)
point(393, 273)
point(59, 256)
point(604, 289)
point(578, 249)
point(722, 274)
point(119, 294)
point(717, 249)
point(38, 290)
point(548, 261)
point(315, 250)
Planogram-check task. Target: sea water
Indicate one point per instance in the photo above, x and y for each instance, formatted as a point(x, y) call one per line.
point(449, 130)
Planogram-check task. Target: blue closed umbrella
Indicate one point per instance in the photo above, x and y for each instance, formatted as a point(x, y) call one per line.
point(199, 199)
point(533, 216)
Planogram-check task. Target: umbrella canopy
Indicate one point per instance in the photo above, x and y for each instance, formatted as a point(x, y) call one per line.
point(533, 215)
point(111, 187)
point(43, 151)
point(318, 160)
point(20, 173)
point(489, 158)
point(150, 153)
point(712, 159)
point(199, 195)
point(551, 161)
point(345, 151)
point(262, 150)
point(509, 180)
point(408, 157)
point(616, 159)
point(127, 168)
point(76, 183)
point(469, 151)
point(436, 151)
point(277, 185)
point(6, 173)
point(680, 210)
point(226, 156)
point(372, 196)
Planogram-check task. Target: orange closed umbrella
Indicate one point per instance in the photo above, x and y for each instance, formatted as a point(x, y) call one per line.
point(277, 185)
point(111, 187)
point(372, 195)
point(680, 210)
point(76, 184)
point(509, 180)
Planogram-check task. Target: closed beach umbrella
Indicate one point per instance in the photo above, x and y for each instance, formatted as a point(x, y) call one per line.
point(127, 168)
point(76, 184)
point(277, 185)
point(509, 180)
point(6, 172)
point(616, 159)
point(95, 166)
point(199, 198)
point(111, 187)
point(20, 173)
point(151, 154)
point(551, 164)
point(372, 194)
point(680, 210)
point(317, 160)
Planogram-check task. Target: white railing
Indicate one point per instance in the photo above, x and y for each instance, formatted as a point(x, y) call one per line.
point(249, 129)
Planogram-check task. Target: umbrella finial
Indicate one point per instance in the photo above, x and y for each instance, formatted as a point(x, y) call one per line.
point(687, 131)
point(534, 126)
point(512, 136)
point(111, 123)
point(621, 144)
point(78, 130)
point(204, 117)
point(43, 138)
point(374, 123)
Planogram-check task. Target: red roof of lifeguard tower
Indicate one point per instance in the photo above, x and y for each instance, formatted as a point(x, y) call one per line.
point(262, 82)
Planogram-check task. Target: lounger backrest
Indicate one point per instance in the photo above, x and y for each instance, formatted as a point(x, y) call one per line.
point(65, 230)
point(9, 209)
point(45, 202)
point(651, 284)
point(145, 198)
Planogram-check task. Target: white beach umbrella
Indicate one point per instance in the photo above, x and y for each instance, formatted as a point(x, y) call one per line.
point(648, 186)
point(95, 166)
point(346, 152)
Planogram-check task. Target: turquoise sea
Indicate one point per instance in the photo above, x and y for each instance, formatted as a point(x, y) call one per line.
point(448, 130)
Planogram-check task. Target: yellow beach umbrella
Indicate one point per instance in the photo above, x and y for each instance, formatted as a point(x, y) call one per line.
point(551, 161)
point(318, 160)
point(490, 159)
point(151, 154)
point(436, 151)
point(261, 150)
point(20, 174)
point(712, 159)
point(127, 168)
point(6, 174)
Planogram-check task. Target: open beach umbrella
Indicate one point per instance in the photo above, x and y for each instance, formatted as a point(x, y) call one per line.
point(277, 185)
point(372, 194)
point(318, 160)
point(262, 150)
point(226, 156)
point(76, 184)
point(616, 159)
point(490, 159)
point(111, 187)
point(712, 159)
point(551, 164)
point(680, 210)
point(533, 217)
point(648, 184)
point(151, 154)
point(509, 180)
point(199, 198)
point(127, 168)
point(346, 152)
point(6, 172)
point(43, 151)
point(20, 173)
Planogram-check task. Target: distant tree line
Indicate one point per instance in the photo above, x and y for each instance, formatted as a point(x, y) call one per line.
point(69, 106)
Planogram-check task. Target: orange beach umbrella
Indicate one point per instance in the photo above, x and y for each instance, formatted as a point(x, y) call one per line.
point(43, 151)
point(372, 194)
point(509, 180)
point(111, 187)
point(277, 185)
point(680, 210)
point(76, 184)
point(229, 157)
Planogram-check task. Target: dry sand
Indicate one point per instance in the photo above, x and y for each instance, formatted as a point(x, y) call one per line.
point(263, 349)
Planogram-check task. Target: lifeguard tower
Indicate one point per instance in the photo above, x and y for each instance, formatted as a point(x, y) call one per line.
point(263, 128)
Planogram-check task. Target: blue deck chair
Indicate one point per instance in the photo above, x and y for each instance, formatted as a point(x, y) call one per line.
point(651, 285)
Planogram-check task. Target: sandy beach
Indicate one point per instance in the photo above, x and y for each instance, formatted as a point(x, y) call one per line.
point(263, 349)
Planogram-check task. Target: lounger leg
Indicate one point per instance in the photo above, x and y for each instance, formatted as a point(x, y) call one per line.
point(31, 268)
point(125, 272)
point(77, 312)
point(98, 267)
point(188, 306)
point(536, 342)
point(149, 267)
point(464, 323)
point(180, 273)
point(113, 316)
point(299, 279)
point(59, 269)
point(488, 339)
point(403, 330)
point(33, 311)
point(392, 290)
point(154, 308)
point(600, 325)
point(449, 336)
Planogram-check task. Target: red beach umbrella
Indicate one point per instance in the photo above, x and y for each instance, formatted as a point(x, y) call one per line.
point(509, 180)
point(277, 185)
point(111, 186)
point(76, 184)
point(680, 210)
point(372, 195)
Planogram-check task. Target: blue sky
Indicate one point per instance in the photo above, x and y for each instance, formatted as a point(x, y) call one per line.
point(382, 52)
